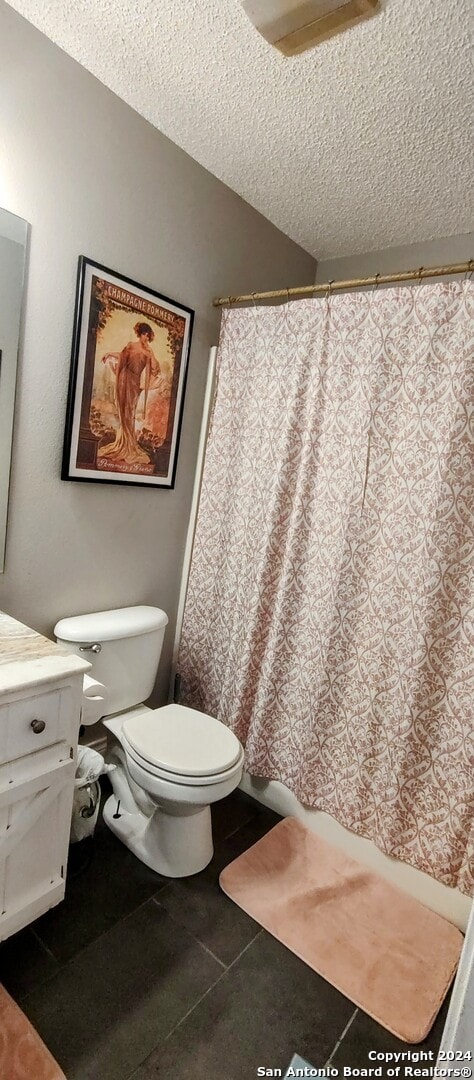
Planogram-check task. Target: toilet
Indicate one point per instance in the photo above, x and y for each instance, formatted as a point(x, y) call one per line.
point(171, 763)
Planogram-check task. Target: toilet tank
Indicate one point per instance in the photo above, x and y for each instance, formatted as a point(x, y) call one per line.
point(126, 662)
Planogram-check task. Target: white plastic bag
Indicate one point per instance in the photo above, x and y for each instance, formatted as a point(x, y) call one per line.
point(86, 801)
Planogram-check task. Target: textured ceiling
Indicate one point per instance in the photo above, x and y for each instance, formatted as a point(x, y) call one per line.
point(359, 144)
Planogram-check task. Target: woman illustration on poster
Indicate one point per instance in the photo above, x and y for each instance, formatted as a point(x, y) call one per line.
point(137, 357)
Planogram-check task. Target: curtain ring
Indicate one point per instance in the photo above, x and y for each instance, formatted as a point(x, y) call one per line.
point(328, 290)
point(254, 300)
point(419, 274)
point(287, 294)
point(376, 284)
point(470, 269)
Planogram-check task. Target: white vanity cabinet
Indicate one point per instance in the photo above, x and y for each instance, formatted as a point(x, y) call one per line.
point(41, 697)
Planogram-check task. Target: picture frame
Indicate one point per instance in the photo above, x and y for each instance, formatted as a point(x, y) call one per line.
point(127, 381)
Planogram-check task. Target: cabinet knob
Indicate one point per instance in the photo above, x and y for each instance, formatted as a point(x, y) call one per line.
point(38, 726)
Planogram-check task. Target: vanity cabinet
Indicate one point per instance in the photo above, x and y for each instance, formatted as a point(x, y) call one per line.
point(40, 711)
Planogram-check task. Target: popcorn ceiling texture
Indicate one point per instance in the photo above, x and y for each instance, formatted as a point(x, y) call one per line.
point(361, 143)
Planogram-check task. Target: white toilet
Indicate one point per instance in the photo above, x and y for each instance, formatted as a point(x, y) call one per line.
point(172, 763)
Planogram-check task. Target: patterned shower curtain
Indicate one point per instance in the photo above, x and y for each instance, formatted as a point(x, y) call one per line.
point(329, 611)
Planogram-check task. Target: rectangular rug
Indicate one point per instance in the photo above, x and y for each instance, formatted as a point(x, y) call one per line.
point(386, 952)
point(23, 1055)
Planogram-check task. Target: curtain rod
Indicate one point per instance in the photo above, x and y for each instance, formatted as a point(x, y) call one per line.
point(351, 283)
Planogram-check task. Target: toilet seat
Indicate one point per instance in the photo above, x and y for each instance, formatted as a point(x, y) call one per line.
point(182, 745)
point(176, 779)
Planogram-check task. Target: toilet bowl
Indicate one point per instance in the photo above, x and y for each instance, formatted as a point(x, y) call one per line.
point(171, 763)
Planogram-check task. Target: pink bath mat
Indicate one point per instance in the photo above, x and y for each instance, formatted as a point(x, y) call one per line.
point(387, 953)
point(23, 1055)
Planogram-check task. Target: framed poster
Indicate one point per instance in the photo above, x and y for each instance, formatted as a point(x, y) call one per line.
point(127, 381)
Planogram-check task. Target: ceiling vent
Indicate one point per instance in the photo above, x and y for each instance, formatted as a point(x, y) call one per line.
point(293, 26)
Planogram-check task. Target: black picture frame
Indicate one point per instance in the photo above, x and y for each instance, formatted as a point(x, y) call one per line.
point(125, 398)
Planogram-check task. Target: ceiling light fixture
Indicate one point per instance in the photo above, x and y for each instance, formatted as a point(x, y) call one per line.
point(295, 25)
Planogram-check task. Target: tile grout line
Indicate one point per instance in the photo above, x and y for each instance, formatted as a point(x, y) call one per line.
point(339, 1041)
point(214, 957)
point(214, 984)
point(21, 996)
point(64, 963)
point(198, 1002)
point(201, 943)
point(44, 946)
point(239, 827)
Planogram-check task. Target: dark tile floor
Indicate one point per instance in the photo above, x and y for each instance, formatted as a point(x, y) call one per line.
point(136, 976)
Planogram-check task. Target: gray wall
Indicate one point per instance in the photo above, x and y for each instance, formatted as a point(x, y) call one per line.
point(94, 178)
point(451, 249)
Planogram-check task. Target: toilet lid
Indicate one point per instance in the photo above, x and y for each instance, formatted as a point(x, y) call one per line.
point(183, 741)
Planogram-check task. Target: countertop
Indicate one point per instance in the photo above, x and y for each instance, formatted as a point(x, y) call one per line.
point(28, 659)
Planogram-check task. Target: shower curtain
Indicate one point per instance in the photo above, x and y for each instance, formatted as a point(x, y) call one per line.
point(328, 618)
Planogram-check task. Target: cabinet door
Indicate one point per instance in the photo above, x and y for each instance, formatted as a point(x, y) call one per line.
point(35, 814)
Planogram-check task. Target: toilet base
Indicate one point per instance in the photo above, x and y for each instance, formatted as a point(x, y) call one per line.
point(172, 845)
